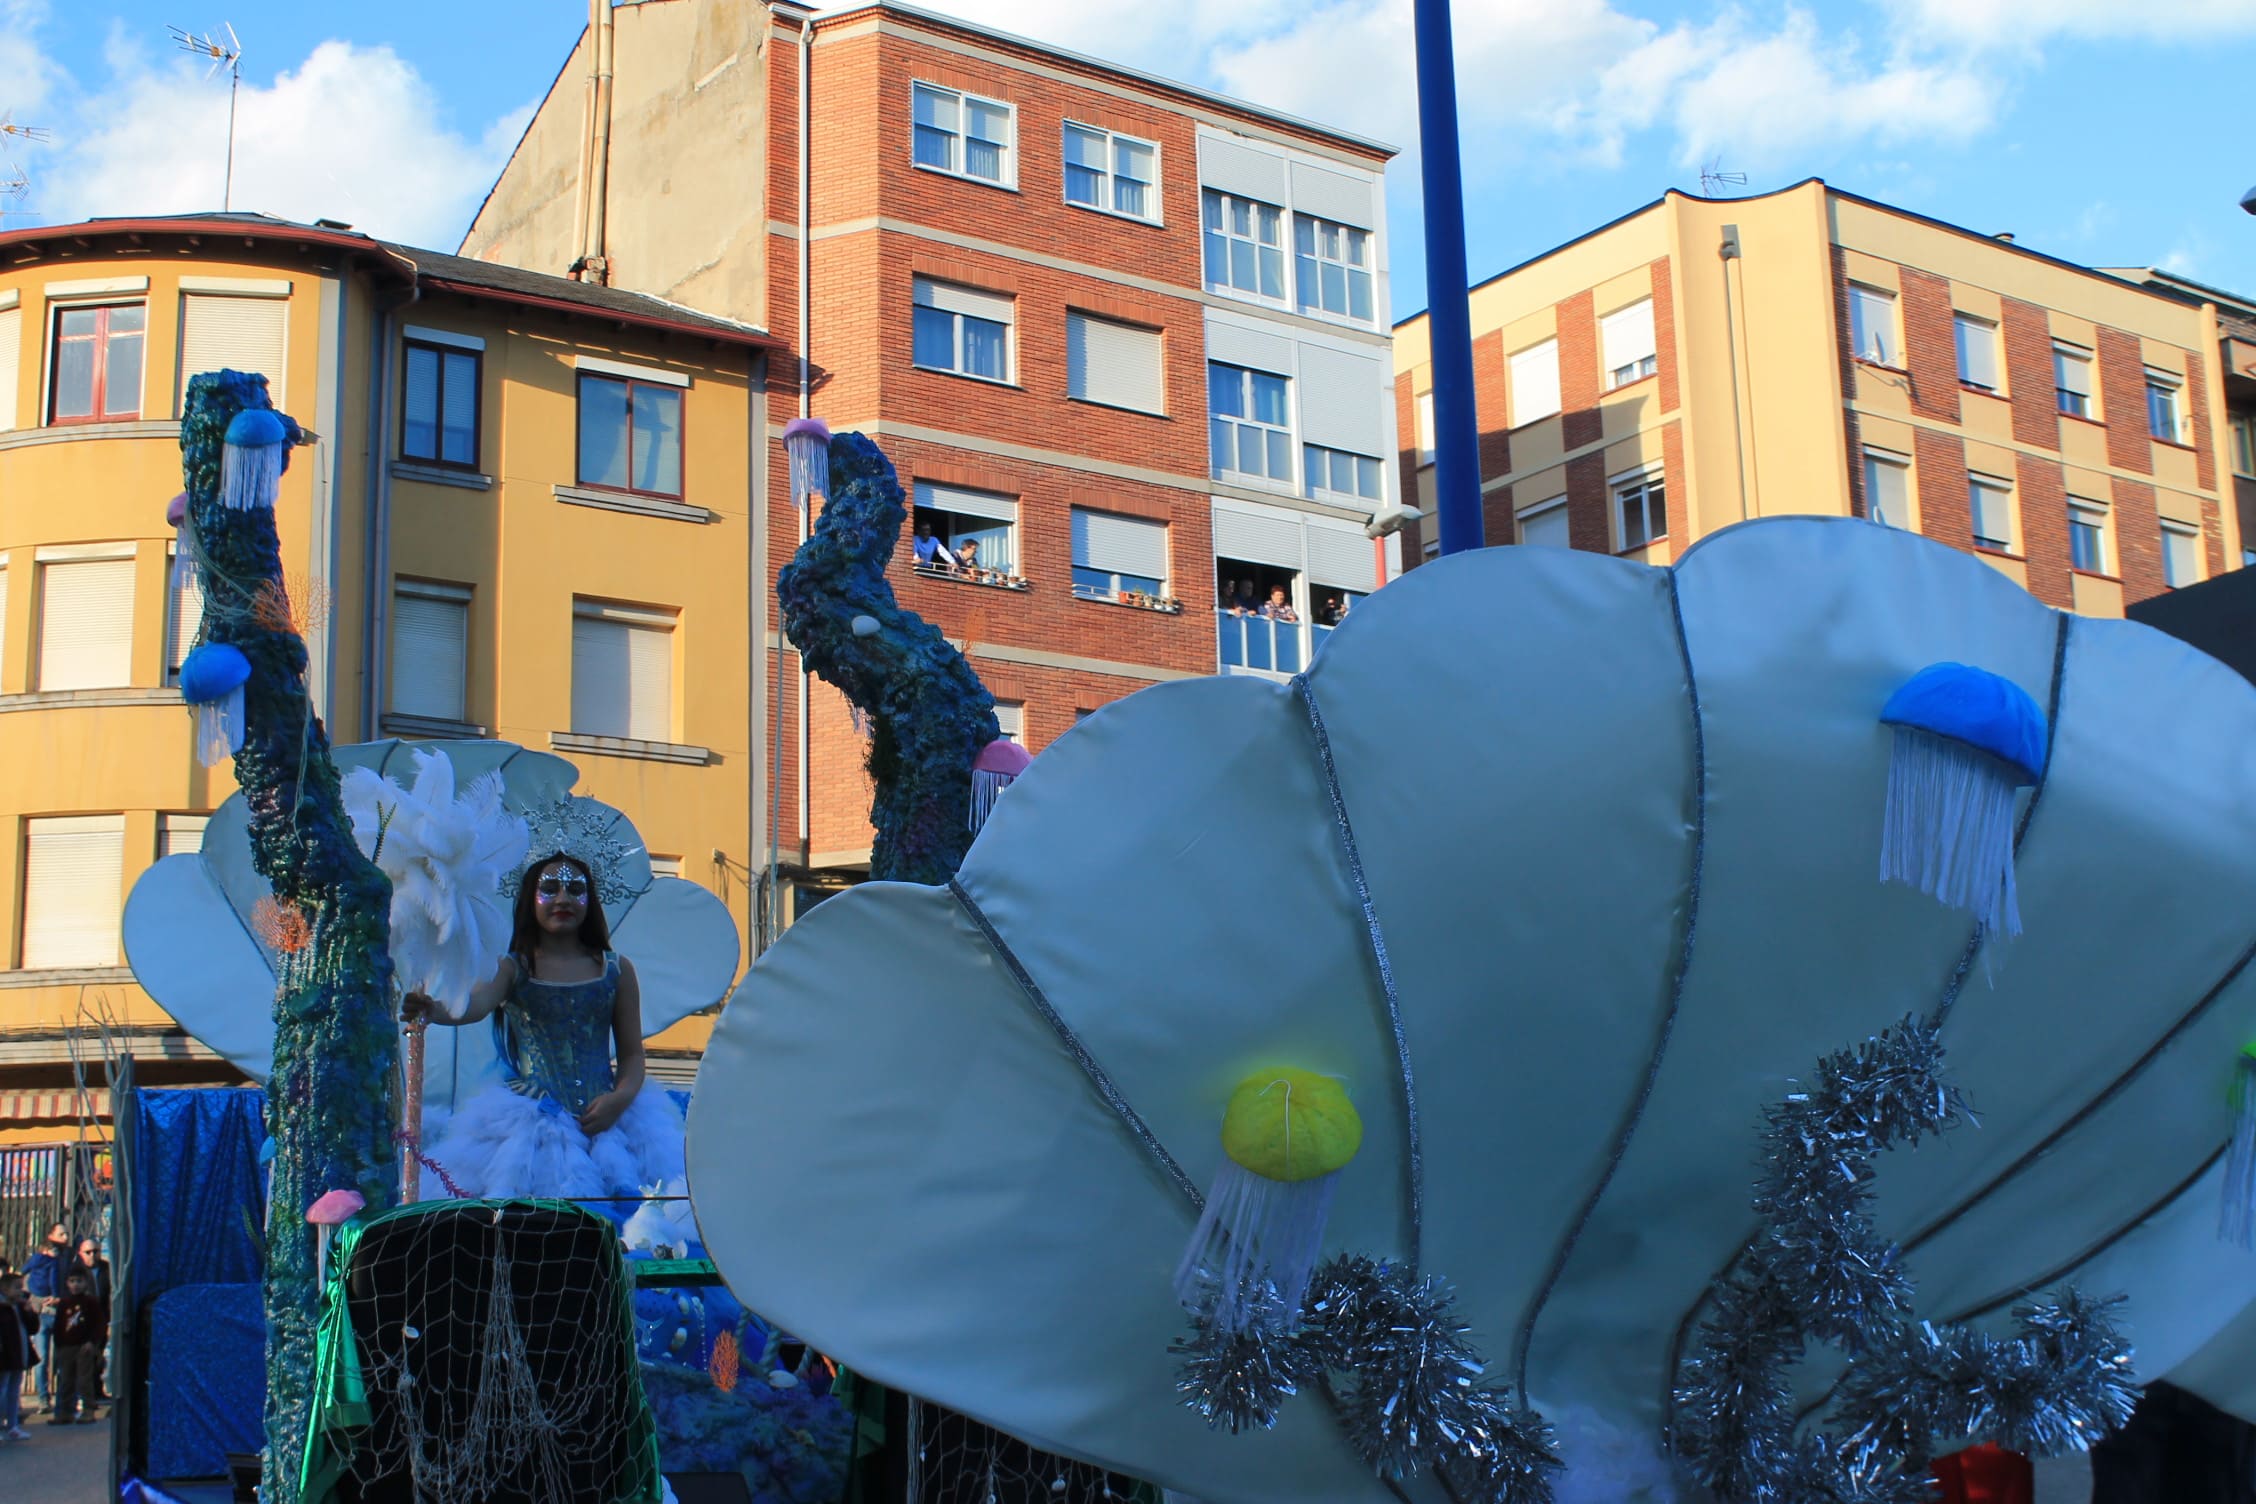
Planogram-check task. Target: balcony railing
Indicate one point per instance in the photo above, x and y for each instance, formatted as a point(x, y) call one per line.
point(1258, 642)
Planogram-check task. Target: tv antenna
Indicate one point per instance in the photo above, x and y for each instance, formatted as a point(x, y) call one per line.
point(228, 55)
point(15, 185)
point(1713, 177)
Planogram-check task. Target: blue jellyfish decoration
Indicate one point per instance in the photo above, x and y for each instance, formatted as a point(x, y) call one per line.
point(212, 680)
point(256, 453)
point(1967, 741)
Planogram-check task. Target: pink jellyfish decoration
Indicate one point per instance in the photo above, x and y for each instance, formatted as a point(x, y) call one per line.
point(995, 768)
point(807, 441)
point(332, 1211)
point(185, 576)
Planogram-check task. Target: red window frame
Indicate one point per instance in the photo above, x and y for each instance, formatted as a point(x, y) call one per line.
point(100, 339)
point(681, 436)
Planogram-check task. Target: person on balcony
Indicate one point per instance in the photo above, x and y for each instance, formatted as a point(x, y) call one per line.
point(931, 553)
point(1240, 599)
point(967, 556)
point(1278, 607)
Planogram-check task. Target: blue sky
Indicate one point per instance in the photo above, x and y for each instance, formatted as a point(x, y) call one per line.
point(2105, 131)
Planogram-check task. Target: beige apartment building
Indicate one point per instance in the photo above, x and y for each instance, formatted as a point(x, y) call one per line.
point(1700, 362)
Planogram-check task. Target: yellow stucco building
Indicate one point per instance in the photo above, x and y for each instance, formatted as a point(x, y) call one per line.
point(531, 514)
point(1701, 361)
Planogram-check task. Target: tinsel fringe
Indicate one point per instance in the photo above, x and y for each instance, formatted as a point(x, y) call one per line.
point(2236, 1222)
point(986, 788)
point(1949, 827)
point(187, 575)
point(1255, 1234)
point(219, 728)
point(251, 477)
point(810, 469)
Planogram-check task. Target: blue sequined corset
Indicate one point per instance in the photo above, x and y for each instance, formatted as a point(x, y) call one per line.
point(554, 1038)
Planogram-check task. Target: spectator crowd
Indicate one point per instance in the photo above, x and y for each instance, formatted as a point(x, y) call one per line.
point(54, 1333)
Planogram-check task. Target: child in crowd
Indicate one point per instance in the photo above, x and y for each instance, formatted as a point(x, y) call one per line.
point(82, 1330)
point(19, 1353)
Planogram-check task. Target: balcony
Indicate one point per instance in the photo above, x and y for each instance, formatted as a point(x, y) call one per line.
point(1264, 645)
point(993, 579)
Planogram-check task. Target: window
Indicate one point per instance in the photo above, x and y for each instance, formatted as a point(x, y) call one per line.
point(1425, 422)
point(1249, 418)
point(1116, 364)
point(1245, 246)
point(95, 375)
point(1872, 325)
point(1991, 501)
point(958, 514)
point(3, 613)
point(11, 356)
point(1545, 525)
point(180, 835)
point(2181, 555)
point(2072, 380)
point(1010, 718)
point(1977, 351)
point(184, 616)
point(1115, 173)
point(85, 624)
point(431, 650)
point(1887, 489)
point(2243, 434)
point(74, 882)
point(963, 134)
point(439, 418)
point(1626, 337)
point(1113, 554)
point(2087, 535)
point(630, 435)
point(225, 331)
point(1333, 265)
point(2164, 416)
point(622, 671)
point(1338, 470)
point(1641, 509)
point(1535, 383)
point(962, 330)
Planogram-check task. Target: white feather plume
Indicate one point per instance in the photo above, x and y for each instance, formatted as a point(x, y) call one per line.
point(445, 854)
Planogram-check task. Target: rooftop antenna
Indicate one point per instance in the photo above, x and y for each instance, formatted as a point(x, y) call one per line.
point(228, 55)
point(1713, 177)
point(15, 185)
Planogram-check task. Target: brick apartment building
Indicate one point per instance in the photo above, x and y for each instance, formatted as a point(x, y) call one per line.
point(1699, 362)
point(1122, 337)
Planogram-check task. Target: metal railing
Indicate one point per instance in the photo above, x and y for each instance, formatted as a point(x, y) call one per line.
point(1265, 643)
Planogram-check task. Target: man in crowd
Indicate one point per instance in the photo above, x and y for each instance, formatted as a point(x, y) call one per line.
point(81, 1330)
point(98, 1272)
point(43, 1279)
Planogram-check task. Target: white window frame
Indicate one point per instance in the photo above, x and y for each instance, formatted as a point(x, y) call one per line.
point(1108, 183)
point(1312, 306)
point(1631, 364)
point(180, 835)
point(961, 134)
point(442, 593)
point(2172, 387)
point(1290, 429)
point(1514, 364)
point(2067, 358)
point(67, 557)
point(110, 905)
point(1986, 330)
point(1283, 252)
point(1308, 475)
point(945, 497)
point(1115, 589)
point(932, 293)
point(665, 866)
point(1010, 719)
point(2189, 538)
point(1888, 351)
point(2083, 511)
point(632, 618)
point(1976, 484)
point(1422, 418)
point(1645, 482)
point(1877, 461)
point(1543, 511)
point(2244, 443)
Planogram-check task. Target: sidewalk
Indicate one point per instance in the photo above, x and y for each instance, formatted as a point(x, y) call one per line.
point(59, 1465)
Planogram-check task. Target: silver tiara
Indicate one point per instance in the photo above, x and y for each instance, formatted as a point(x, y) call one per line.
point(588, 830)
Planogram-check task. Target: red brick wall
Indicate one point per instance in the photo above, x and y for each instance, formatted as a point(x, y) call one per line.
point(2041, 488)
point(2138, 532)
point(2122, 401)
point(1406, 463)
point(1844, 360)
point(1588, 526)
point(1578, 371)
point(1664, 338)
point(1498, 525)
point(2204, 449)
point(1946, 514)
point(1679, 489)
point(1491, 410)
point(2027, 336)
point(1930, 344)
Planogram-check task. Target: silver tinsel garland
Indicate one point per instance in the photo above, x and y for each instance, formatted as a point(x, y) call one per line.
point(1819, 1272)
point(1408, 1383)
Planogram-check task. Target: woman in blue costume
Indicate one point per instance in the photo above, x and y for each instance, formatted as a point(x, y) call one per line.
point(562, 1121)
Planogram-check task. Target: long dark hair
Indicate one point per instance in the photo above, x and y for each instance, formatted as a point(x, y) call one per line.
point(525, 929)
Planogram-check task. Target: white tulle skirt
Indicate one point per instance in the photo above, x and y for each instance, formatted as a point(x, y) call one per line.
point(504, 1143)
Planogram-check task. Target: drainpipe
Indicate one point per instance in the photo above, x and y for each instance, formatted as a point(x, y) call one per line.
point(587, 150)
point(375, 651)
point(775, 780)
point(594, 267)
point(806, 374)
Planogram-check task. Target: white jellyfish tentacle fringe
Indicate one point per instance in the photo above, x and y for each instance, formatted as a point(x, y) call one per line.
point(807, 442)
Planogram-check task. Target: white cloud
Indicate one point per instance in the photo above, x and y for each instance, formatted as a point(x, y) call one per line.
point(352, 133)
point(2027, 23)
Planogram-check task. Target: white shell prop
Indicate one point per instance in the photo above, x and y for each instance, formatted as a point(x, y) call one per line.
point(1541, 753)
point(190, 941)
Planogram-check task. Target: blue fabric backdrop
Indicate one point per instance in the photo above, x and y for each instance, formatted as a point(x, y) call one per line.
point(207, 1379)
point(197, 1202)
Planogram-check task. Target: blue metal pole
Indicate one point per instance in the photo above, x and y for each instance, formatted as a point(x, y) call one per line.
point(1449, 318)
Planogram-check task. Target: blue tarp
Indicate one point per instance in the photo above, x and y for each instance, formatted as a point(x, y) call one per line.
point(197, 1201)
point(207, 1379)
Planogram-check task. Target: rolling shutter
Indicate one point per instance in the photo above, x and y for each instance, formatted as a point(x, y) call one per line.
point(73, 891)
point(1257, 537)
point(225, 332)
point(180, 834)
point(1626, 335)
point(1339, 400)
point(11, 354)
point(622, 674)
point(86, 624)
point(1334, 196)
point(430, 652)
point(1116, 364)
point(966, 502)
point(1241, 170)
point(3, 614)
point(1119, 545)
point(1236, 345)
point(1535, 383)
point(1340, 554)
point(949, 298)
